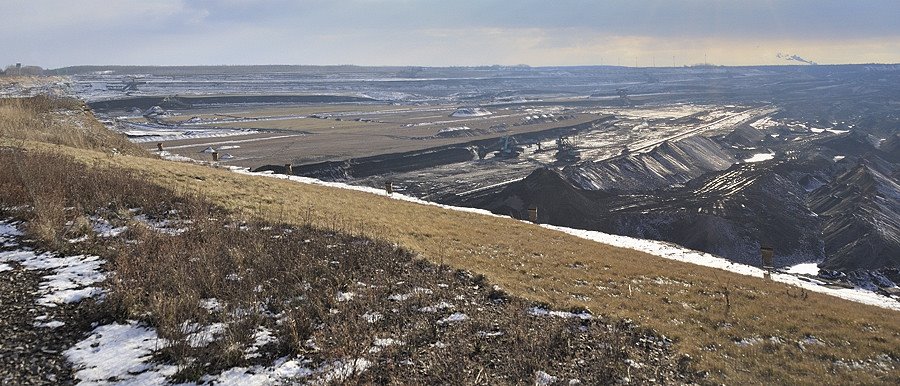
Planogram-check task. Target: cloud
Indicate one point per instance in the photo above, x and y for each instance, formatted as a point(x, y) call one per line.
point(432, 32)
point(681, 18)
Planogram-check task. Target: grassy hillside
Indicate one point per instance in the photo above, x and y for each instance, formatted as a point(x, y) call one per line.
point(227, 294)
point(58, 121)
point(739, 329)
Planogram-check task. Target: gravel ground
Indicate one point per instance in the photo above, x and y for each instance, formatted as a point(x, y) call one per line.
point(30, 354)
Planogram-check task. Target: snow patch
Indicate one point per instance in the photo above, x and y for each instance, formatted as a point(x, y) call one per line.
point(540, 311)
point(453, 129)
point(399, 297)
point(70, 278)
point(117, 354)
point(381, 343)
point(436, 307)
point(455, 317)
point(211, 304)
point(103, 228)
point(261, 337)
point(344, 296)
point(804, 269)
point(148, 133)
point(470, 112)
point(760, 157)
point(8, 231)
point(51, 324)
point(543, 379)
point(372, 317)
point(202, 336)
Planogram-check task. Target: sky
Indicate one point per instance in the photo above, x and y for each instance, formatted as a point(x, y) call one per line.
point(57, 33)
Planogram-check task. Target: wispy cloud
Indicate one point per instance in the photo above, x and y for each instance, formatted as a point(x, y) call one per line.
point(432, 32)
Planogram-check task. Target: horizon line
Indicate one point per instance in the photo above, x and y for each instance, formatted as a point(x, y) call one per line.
point(695, 65)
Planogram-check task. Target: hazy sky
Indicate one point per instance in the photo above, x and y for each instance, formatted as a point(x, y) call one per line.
point(54, 33)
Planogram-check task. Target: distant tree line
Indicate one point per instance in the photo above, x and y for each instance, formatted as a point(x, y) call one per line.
point(18, 69)
point(305, 70)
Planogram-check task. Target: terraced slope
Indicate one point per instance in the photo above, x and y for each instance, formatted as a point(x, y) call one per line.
point(668, 164)
point(726, 213)
point(862, 217)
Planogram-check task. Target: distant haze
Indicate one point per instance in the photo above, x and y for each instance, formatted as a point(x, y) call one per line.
point(56, 33)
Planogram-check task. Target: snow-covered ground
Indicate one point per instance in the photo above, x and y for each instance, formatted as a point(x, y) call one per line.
point(656, 248)
point(117, 354)
point(67, 279)
point(123, 353)
point(142, 134)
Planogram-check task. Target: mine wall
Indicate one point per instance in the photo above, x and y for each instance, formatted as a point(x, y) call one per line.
point(375, 165)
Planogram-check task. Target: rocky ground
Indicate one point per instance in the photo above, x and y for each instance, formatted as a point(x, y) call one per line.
point(31, 350)
point(56, 331)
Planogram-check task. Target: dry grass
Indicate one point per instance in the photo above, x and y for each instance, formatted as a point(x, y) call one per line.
point(286, 280)
point(58, 121)
point(29, 80)
point(682, 301)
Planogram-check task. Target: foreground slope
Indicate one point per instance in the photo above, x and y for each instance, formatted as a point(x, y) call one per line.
point(739, 329)
point(142, 284)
